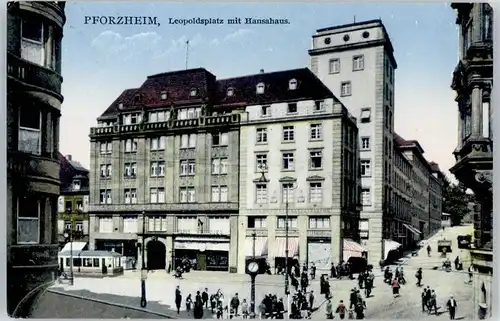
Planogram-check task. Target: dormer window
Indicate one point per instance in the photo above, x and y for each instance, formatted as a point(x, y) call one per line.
point(137, 98)
point(120, 105)
point(230, 92)
point(292, 84)
point(260, 88)
point(76, 185)
point(193, 92)
point(163, 95)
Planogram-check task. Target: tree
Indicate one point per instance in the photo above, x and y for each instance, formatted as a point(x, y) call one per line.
point(456, 201)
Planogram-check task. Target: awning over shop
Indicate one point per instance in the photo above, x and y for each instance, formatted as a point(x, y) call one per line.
point(77, 246)
point(352, 248)
point(390, 245)
point(260, 246)
point(201, 244)
point(412, 229)
point(293, 247)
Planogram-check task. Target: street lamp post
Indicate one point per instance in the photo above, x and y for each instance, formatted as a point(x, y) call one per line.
point(144, 274)
point(69, 236)
point(290, 185)
point(253, 274)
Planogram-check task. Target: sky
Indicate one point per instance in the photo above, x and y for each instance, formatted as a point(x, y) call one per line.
point(100, 61)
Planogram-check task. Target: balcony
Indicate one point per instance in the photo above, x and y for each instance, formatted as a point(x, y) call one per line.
point(169, 207)
point(33, 256)
point(35, 75)
point(171, 125)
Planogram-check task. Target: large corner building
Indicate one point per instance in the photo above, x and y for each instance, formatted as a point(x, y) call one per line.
point(178, 162)
point(473, 83)
point(34, 35)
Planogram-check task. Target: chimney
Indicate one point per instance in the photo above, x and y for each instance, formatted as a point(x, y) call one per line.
point(68, 157)
point(262, 71)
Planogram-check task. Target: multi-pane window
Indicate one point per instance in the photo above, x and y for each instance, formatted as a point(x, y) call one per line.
point(158, 116)
point(219, 166)
point(358, 63)
point(105, 224)
point(345, 88)
point(261, 135)
point(334, 66)
point(157, 195)
point(316, 159)
point(188, 167)
point(105, 196)
point(219, 193)
point(32, 41)
point(319, 222)
point(188, 141)
point(261, 162)
point(288, 192)
point(106, 170)
point(257, 222)
point(315, 131)
point(366, 196)
point(131, 145)
point(220, 139)
point(319, 105)
point(157, 224)
point(292, 222)
point(189, 113)
point(365, 143)
point(30, 131)
point(157, 143)
point(366, 167)
point(130, 196)
point(28, 220)
point(130, 225)
point(315, 192)
point(106, 147)
point(187, 195)
point(288, 161)
point(158, 168)
point(292, 108)
point(261, 193)
point(130, 170)
point(288, 133)
point(130, 119)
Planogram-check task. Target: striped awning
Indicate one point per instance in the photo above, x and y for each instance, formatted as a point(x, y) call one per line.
point(260, 246)
point(293, 247)
point(412, 229)
point(351, 248)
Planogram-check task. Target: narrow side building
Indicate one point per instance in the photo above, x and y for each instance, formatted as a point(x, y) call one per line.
point(34, 35)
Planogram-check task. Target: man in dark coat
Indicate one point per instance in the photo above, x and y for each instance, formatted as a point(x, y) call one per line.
point(452, 307)
point(311, 300)
point(198, 306)
point(204, 298)
point(333, 271)
point(235, 303)
point(353, 298)
point(178, 299)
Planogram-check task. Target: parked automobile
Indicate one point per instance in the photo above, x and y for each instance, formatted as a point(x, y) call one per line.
point(358, 264)
point(464, 241)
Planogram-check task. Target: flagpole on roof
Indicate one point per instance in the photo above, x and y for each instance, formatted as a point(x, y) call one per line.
point(187, 53)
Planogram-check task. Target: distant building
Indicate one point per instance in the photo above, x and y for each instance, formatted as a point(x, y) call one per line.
point(34, 35)
point(73, 204)
point(473, 83)
point(298, 156)
point(356, 62)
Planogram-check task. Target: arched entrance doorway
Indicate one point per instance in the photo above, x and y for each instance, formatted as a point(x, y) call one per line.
point(156, 255)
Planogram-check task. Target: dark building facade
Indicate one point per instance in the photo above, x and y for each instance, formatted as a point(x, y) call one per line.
point(473, 84)
point(73, 202)
point(34, 34)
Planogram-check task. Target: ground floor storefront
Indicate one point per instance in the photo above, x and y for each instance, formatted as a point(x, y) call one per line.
point(202, 254)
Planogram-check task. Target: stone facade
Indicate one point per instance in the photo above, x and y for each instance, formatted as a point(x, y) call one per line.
point(33, 110)
point(322, 202)
point(473, 84)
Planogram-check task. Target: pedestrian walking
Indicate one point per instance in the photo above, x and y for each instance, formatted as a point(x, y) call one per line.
point(433, 302)
point(429, 250)
point(419, 276)
point(329, 309)
point(452, 307)
point(353, 298)
point(395, 287)
point(235, 303)
point(311, 300)
point(471, 270)
point(424, 299)
point(333, 271)
point(341, 310)
point(204, 298)
point(189, 302)
point(313, 271)
point(178, 299)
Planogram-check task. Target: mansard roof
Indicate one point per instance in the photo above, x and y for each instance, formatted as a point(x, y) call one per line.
point(179, 86)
